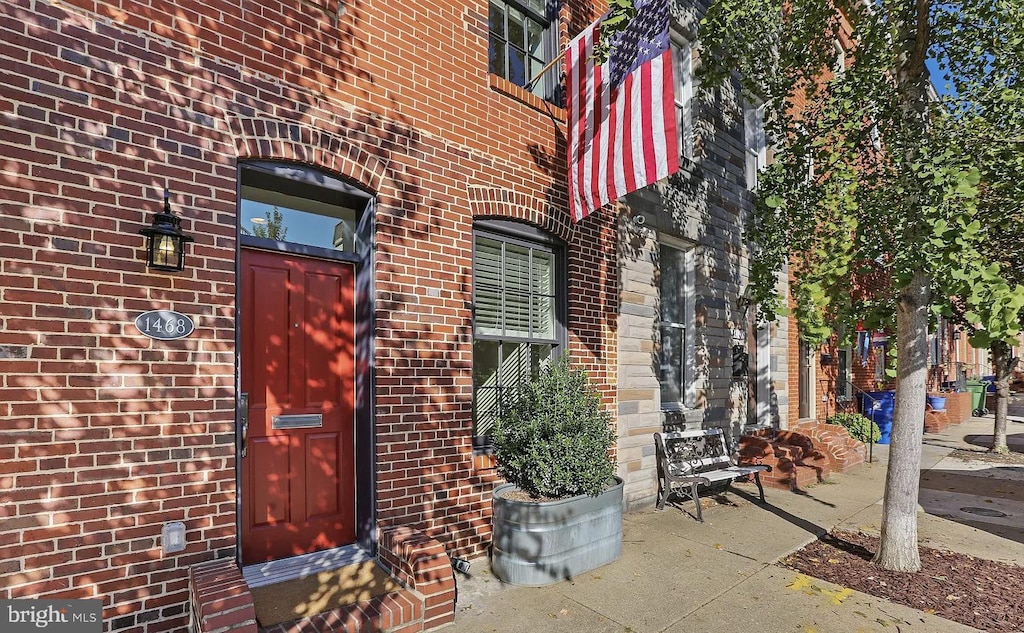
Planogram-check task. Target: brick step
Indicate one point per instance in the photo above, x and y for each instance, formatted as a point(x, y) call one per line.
point(786, 475)
point(936, 421)
point(424, 597)
point(807, 454)
point(396, 611)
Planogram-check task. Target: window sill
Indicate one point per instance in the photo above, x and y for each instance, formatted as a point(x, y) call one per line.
point(520, 94)
point(483, 463)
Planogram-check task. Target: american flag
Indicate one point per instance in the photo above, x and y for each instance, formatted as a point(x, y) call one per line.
point(622, 124)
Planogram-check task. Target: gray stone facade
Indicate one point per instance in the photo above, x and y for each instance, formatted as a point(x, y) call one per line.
point(703, 208)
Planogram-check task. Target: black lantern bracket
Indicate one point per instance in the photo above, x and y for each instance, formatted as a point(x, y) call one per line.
point(165, 243)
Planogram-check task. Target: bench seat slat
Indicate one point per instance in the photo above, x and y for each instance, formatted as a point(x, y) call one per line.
point(732, 472)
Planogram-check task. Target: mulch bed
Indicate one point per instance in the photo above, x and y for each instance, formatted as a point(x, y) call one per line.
point(981, 593)
point(982, 455)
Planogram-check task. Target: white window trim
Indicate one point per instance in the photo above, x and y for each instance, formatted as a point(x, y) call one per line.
point(839, 65)
point(754, 142)
point(689, 387)
point(682, 57)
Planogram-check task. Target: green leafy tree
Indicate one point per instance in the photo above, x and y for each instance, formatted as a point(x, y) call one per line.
point(873, 174)
point(1001, 209)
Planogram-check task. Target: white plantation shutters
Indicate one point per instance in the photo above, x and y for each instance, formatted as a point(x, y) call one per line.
point(514, 290)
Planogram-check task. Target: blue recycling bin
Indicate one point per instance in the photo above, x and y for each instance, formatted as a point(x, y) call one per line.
point(878, 406)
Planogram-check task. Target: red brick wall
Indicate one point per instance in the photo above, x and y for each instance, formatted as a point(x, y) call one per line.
point(108, 434)
point(798, 102)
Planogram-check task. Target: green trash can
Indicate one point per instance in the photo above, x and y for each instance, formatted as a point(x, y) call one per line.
point(977, 391)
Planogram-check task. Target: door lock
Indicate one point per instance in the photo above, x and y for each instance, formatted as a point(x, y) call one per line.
point(243, 418)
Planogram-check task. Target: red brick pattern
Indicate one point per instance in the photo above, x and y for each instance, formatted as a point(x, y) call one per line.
point(108, 434)
point(802, 456)
point(220, 599)
point(958, 406)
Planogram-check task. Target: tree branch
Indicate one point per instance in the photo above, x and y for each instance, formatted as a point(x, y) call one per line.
point(922, 35)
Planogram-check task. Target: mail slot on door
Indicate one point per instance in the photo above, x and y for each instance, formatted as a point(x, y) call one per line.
point(306, 421)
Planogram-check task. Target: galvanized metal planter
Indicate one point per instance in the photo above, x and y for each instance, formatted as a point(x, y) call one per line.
point(541, 543)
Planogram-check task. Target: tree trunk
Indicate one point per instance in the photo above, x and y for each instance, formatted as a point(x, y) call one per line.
point(1002, 358)
point(897, 548)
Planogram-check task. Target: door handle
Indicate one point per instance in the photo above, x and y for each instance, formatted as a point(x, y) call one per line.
point(243, 417)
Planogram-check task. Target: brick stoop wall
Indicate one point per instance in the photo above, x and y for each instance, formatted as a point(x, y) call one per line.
point(806, 455)
point(843, 452)
point(221, 600)
point(421, 564)
point(936, 421)
point(958, 406)
point(223, 603)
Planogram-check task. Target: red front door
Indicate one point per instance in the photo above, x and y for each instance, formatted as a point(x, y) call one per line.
point(298, 481)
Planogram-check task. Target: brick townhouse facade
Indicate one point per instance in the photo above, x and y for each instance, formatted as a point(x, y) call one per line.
point(381, 250)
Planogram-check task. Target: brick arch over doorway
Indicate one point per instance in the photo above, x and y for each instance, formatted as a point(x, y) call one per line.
point(266, 138)
point(487, 202)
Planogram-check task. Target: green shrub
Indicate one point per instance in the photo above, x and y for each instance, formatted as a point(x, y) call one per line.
point(857, 425)
point(554, 439)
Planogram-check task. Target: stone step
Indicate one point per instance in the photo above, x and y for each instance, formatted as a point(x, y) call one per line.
point(786, 475)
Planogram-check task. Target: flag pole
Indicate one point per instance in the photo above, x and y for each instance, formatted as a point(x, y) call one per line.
point(544, 71)
point(551, 64)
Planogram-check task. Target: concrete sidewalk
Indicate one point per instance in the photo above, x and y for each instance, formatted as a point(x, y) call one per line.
point(678, 575)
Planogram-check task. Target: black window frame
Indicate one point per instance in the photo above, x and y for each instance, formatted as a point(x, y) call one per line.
point(549, 87)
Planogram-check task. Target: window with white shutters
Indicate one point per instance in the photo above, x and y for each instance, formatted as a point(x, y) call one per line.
point(517, 329)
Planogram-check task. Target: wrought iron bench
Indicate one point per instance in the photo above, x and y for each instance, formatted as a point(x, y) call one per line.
point(688, 459)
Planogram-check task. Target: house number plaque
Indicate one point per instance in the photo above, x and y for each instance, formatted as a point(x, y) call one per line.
point(165, 325)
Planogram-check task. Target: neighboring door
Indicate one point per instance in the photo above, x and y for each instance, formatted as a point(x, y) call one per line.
point(297, 370)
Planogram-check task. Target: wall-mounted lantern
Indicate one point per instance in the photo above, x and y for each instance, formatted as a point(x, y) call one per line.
point(165, 243)
point(744, 301)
